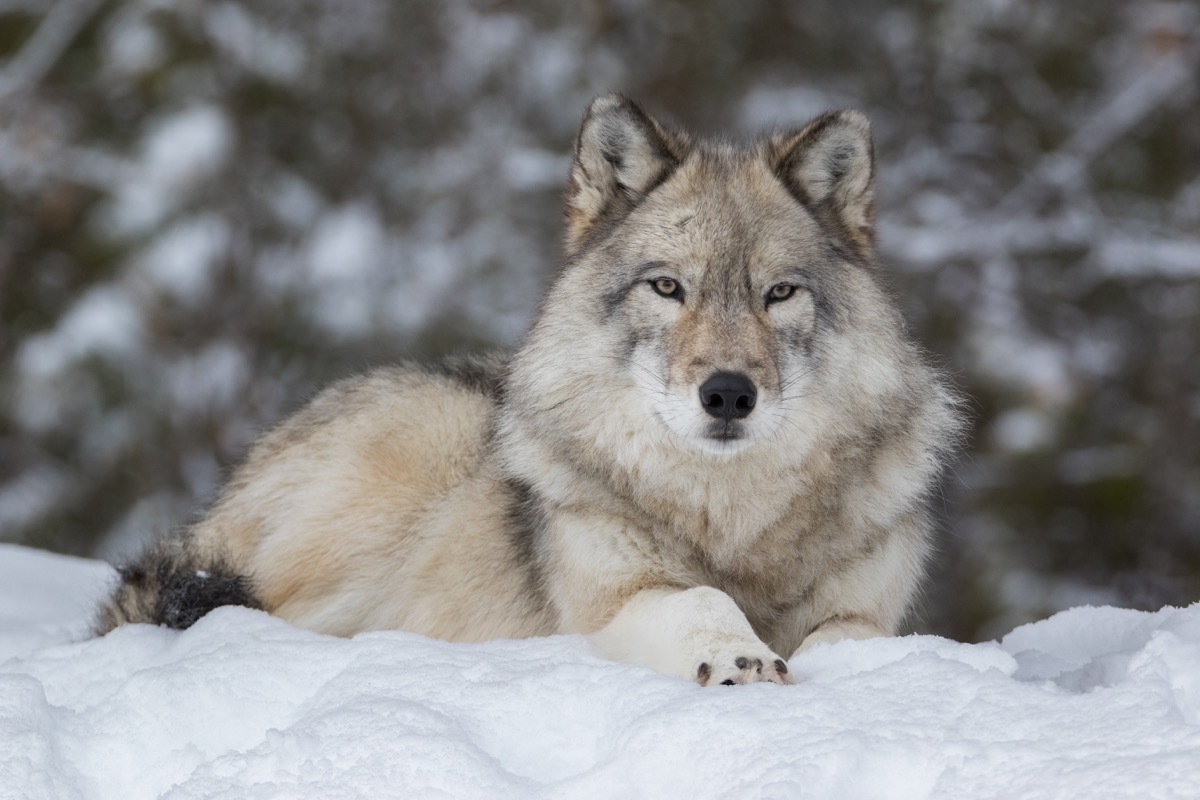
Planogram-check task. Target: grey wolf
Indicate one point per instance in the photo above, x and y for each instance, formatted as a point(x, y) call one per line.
point(715, 446)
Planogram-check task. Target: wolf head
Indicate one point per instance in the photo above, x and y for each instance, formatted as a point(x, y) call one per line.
point(715, 298)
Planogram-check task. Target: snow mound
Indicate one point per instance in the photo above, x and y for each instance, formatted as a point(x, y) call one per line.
point(1094, 702)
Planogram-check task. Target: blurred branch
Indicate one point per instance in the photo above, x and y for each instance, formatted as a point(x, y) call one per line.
point(10, 6)
point(1008, 229)
point(45, 47)
point(1116, 253)
point(1146, 258)
point(78, 165)
point(1185, 210)
point(1113, 119)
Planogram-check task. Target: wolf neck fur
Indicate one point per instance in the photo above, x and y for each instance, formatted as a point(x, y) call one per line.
point(722, 504)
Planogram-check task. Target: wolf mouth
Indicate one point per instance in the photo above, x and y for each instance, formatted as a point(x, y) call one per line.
point(725, 432)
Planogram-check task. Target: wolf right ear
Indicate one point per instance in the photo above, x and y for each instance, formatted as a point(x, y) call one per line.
point(620, 155)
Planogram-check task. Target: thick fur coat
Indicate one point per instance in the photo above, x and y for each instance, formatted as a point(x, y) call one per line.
point(716, 445)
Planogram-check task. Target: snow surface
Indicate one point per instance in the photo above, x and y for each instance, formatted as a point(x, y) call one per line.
point(1093, 702)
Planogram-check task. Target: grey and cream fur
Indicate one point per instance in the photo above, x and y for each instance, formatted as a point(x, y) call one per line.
point(715, 446)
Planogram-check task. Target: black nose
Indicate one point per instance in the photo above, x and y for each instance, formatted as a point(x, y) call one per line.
point(728, 395)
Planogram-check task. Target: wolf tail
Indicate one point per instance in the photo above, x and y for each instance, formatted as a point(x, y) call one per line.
point(174, 583)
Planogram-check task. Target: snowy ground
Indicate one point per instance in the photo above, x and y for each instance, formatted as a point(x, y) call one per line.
point(1092, 703)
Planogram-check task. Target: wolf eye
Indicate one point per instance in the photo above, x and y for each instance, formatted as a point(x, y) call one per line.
point(668, 287)
point(780, 292)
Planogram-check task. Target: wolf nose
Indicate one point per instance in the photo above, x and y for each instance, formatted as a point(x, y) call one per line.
point(728, 395)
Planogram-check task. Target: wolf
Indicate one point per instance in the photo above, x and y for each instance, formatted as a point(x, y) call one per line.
point(715, 447)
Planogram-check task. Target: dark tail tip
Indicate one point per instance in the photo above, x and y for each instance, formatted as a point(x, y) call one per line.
point(185, 596)
point(174, 584)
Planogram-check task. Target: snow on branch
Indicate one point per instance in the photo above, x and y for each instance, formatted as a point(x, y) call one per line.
point(1149, 258)
point(1115, 253)
point(43, 50)
point(79, 165)
point(1118, 114)
point(1013, 227)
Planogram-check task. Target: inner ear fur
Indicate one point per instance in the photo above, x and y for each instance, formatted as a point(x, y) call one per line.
point(621, 154)
point(829, 165)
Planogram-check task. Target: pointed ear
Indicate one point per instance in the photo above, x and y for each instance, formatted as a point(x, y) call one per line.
point(830, 165)
point(620, 155)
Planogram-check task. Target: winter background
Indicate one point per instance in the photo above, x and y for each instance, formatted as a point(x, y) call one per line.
point(210, 209)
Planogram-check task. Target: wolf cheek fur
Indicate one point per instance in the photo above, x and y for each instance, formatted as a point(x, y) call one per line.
point(714, 447)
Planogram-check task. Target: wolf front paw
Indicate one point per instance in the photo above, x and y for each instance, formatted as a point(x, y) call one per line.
point(697, 634)
point(755, 666)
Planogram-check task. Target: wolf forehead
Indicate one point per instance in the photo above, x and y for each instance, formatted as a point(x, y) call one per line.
point(727, 230)
point(722, 197)
point(708, 227)
point(783, 206)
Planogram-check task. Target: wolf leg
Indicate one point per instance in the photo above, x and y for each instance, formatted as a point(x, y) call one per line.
point(838, 628)
point(697, 634)
point(867, 599)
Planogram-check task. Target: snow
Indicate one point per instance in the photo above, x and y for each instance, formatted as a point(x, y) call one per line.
point(183, 260)
point(178, 153)
point(1022, 430)
point(31, 495)
point(105, 321)
point(132, 45)
point(344, 252)
point(273, 54)
point(213, 378)
point(771, 107)
point(1093, 702)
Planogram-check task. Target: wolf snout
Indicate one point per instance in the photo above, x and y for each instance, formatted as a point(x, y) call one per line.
point(728, 395)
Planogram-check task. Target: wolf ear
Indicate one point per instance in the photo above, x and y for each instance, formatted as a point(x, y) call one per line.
point(830, 164)
point(620, 155)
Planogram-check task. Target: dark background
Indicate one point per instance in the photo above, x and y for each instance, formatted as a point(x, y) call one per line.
point(209, 209)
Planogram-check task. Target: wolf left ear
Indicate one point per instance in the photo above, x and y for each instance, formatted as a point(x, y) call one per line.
point(830, 164)
point(620, 155)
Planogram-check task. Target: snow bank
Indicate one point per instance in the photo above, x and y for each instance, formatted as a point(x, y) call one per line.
point(1094, 702)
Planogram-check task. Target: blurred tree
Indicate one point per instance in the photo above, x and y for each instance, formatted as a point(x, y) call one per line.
point(208, 209)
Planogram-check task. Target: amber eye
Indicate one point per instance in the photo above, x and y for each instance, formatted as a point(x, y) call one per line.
point(780, 292)
point(668, 287)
